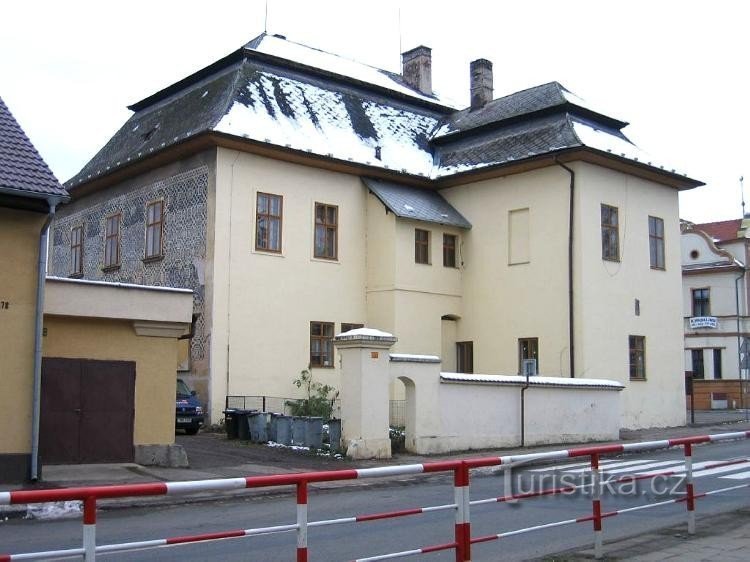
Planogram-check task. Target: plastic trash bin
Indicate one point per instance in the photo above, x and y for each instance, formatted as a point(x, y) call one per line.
point(298, 430)
point(258, 427)
point(314, 432)
point(230, 423)
point(281, 429)
point(334, 435)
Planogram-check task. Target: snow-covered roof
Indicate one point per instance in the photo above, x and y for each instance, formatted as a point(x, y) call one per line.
point(515, 380)
point(285, 95)
point(281, 47)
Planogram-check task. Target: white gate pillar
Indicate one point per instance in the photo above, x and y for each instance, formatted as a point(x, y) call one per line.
point(365, 402)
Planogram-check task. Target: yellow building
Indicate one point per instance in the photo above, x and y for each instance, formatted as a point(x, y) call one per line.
point(88, 368)
point(300, 194)
point(29, 194)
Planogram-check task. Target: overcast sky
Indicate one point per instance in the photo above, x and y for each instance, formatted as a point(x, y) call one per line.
point(676, 70)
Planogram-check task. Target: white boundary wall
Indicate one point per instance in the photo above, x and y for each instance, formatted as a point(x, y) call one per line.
point(454, 412)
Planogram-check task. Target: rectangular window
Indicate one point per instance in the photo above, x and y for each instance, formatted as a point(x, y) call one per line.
point(449, 250)
point(610, 234)
point(268, 219)
point(76, 251)
point(518, 237)
point(154, 229)
point(656, 242)
point(637, 346)
point(326, 231)
point(321, 344)
point(717, 363)
point(465, 357)
point(528, 348)
point(421, 246)
point(112, 241)
point(701, 302)
point(348, 327)
point(697, 359)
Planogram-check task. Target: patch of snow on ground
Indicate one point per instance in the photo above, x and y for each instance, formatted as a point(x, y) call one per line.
point(54, 510)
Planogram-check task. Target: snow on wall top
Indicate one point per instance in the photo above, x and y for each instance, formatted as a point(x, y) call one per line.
point(315, 58)
point(536, 380)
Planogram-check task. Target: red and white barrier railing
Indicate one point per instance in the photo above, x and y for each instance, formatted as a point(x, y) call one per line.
point(462, 539)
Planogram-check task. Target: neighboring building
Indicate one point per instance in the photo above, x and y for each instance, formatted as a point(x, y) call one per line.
point(715, 292)
point(88, 369)
point(300, 194)
point(29, 193)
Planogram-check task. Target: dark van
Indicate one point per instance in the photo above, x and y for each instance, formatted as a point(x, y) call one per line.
point(189, 412)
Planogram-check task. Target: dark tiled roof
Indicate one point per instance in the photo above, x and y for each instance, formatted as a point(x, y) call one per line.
point(547, 97)
point(271, 92)
point(721, 230)
point(21, 167)
point(415, 203)
point(516, 142)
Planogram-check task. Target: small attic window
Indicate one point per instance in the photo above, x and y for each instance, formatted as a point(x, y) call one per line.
point(150, 133)
point(694, 254)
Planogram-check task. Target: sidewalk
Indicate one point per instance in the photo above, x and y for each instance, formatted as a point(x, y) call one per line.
point(724, 537)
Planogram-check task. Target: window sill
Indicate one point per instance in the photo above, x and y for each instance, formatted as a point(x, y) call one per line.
point(322, 367)
point(640, 379)
point(655, 268)
point(261, 251)
point(110, 268)
point(324, 260)
point(152, 259)
point(614, 260)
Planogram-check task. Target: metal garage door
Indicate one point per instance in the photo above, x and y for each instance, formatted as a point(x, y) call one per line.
point(87, 411)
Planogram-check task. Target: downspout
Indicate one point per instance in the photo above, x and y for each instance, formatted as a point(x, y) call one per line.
point(523, 408)
point(739, 339)
point(38, 324)
point(571, 207)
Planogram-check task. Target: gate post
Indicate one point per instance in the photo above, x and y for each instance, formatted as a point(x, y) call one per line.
point(364, 392)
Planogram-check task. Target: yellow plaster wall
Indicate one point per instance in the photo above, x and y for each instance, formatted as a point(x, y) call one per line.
point(115, 340)
point(19, 240)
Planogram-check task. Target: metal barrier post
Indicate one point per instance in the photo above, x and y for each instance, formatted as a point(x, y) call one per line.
point(461, 499)
point(690, 490)
point(89, 529)
point(596, 504)
point(302, 521)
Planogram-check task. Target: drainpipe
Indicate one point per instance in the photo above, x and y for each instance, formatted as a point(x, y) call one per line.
point(739, 340)
point(571, 207)
point(38, 323)
point(523, 412)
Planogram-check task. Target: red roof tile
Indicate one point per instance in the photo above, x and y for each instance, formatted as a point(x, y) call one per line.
point(721, 230)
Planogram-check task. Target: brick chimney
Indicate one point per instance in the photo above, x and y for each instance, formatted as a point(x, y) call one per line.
point(416, 68)
point(480, 72)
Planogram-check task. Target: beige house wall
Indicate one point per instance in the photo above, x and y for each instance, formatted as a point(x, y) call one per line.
point(607, 290)
point(19, 233)
point(263, 302)
point(503, 302)
point(116, 340)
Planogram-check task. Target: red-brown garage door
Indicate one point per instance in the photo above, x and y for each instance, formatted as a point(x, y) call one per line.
point(87, 411)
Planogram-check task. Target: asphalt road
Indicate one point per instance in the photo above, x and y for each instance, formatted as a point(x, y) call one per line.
point(346, 542)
